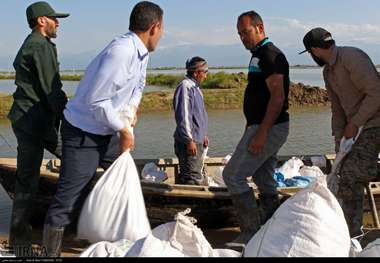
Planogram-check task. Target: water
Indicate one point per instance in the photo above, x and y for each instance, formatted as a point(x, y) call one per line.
point(7, 86)
point(309, 76)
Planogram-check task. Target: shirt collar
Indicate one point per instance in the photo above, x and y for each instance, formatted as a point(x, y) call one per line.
point(141, 48)
point(334, 56)
point(37, 33)
point(193, 80)
point(260, 44)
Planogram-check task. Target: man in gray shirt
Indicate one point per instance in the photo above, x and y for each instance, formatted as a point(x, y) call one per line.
point(353, 86)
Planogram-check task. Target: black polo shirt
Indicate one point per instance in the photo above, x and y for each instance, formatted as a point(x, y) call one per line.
point(266, 60)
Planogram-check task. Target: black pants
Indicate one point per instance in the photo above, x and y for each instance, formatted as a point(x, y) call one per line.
point(30, 151)
point(190, 167)
point(82, 153)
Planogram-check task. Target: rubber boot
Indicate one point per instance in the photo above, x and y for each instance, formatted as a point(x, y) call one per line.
point(269, 205)
point(52, 241)
point(20, 233)
point(248, 217)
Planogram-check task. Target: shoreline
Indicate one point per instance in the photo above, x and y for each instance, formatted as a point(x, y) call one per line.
point(222, 91)
point(300, 96)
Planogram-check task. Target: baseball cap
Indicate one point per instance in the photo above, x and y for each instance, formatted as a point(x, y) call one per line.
point(38, 9)
point(316, 37)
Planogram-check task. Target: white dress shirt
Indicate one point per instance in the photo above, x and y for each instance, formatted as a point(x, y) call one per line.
point(113, 81)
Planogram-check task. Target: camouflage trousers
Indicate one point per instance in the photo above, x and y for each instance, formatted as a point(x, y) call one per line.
point(358, 168)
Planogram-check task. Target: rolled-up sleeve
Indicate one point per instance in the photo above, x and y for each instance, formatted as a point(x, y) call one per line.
point(110, 77)
point(183, 108)
point(364, 75)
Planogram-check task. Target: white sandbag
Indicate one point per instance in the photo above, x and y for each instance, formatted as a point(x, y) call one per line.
point(344, 148)
point(180, 238)
point(356, 248)
point(115, 208)
point(309, 224)
point(226, 253)
point(108, 249)
point(291, 168)
point(371, 250)
point(311, 171)
point(151, 173)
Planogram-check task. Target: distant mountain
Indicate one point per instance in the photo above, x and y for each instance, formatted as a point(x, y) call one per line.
point(222, 55)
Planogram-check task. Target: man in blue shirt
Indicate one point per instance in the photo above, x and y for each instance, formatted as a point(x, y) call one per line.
point(103, 107)
point(191, 118)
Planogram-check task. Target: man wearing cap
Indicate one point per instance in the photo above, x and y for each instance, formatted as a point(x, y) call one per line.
point(353, 86)
point(35, 115)
point(267, 128)
point(191, 119)
point(97, 121)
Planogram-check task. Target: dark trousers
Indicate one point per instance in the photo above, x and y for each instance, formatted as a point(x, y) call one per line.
point(82, 153)
point(30, 151)
point(190, 167)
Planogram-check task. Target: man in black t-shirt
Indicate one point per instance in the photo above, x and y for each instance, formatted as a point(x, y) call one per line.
point(267, 128)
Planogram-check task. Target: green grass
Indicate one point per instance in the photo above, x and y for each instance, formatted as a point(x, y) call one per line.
point(221, 91)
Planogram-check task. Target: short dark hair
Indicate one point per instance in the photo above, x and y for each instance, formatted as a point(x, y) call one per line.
point(144, 15)
point(255, 17)
point(193, 64)
point(32, 23)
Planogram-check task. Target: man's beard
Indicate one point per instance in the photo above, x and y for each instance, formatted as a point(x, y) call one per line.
point(318, 60)
point(51, 32)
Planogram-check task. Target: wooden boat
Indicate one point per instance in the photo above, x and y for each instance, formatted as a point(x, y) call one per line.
point(211, 206)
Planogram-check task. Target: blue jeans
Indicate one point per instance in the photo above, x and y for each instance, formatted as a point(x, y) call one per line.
point(82, 153)
point(190, 167)
point(244, 164)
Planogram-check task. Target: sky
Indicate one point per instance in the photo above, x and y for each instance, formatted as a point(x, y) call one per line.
point(197, 27)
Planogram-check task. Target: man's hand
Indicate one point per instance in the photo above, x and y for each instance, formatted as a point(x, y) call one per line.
point(258, 141)
point(350, 131)
point(127, 140)
point(205, 143)
point(192, 148)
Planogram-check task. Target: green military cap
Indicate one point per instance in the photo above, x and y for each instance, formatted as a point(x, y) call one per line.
point(38, 9)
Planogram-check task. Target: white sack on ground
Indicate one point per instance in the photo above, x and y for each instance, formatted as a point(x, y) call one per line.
point(309, 224)
point(180, 238)
point(174, 239)
point(108, 249)
point(115, 208)
point(371, 250)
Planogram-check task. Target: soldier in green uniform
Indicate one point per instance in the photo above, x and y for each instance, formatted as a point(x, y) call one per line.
point(35, 115)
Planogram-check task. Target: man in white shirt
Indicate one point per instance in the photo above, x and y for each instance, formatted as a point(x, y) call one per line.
point(104, 106)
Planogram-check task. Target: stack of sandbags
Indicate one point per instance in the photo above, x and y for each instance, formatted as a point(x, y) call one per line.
point(309, 224)
point(105, 249)
point(180, 238)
